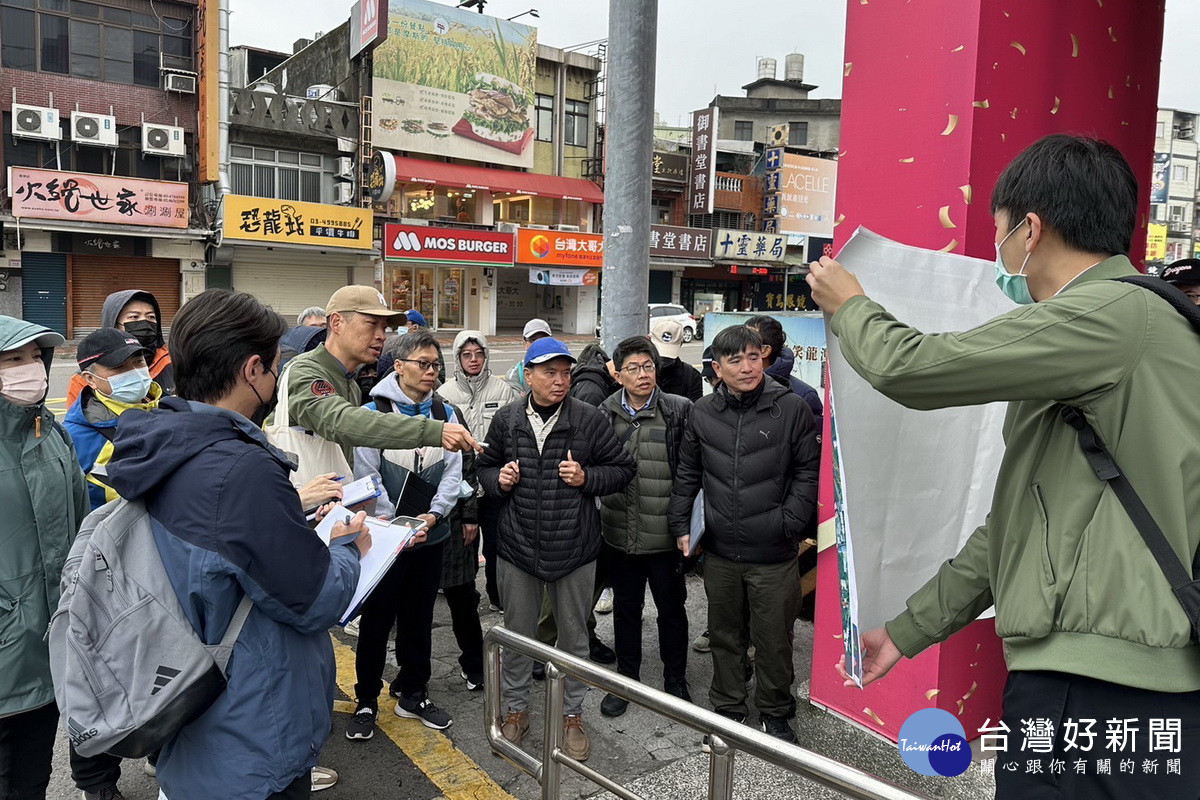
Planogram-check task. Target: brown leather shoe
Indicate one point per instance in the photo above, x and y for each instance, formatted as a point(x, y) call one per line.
point(515, 726)
point(575, 738)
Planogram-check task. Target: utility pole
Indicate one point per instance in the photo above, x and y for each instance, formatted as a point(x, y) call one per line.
point(629, 140)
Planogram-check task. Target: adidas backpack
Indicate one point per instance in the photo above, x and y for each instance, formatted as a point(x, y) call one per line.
point(129, 670)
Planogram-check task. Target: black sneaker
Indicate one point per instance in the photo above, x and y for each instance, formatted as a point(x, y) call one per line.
point(539, 671)
point(601, 653)
point(677, 687)
point(420, 706)
point(362, 724)
point(777, 727)
point(107, 793)
point(613, 706)
point(738, 718)
point(474, 680)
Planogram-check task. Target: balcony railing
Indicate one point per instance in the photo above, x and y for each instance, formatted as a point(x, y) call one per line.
point(729, 183)
point(297, 115)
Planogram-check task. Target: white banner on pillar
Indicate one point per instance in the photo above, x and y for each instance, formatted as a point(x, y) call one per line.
point(558, 276)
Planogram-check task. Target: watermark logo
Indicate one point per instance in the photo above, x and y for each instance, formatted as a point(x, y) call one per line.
point(933, 742)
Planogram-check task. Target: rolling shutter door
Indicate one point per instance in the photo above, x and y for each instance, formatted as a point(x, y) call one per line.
point(291, 283)
point(94, 278)
point(44, 290)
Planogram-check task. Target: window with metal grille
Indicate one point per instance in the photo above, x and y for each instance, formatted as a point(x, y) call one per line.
point(282, 174)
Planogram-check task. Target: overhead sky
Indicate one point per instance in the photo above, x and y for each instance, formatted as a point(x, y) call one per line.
point(705, 47)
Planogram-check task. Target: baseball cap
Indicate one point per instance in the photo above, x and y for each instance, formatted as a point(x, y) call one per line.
point(1186, 271)
point(546, 349)
point(707, 372)
point(667, 335)
point(534, 327)
point(417, 318)
point(363, 300)
point(107, 347)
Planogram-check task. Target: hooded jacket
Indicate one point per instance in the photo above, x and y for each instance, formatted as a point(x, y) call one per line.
point(43, 499)
point(756, 457)
point(781, 370)
point(429, 461)
point(591, 381)
point(159, 363)
point(480, 396)
point(92, 423)
point(228, 523)
point(547, 528)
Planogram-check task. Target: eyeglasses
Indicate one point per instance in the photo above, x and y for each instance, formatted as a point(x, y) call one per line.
point(424, 365)
point(637, 369)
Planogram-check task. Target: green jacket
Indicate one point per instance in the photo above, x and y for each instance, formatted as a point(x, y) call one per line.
point(324, 399)
point(1075, 588)
point(44, 499)
point(635, 520)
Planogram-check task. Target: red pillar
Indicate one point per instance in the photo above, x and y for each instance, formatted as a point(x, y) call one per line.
point(938, 97)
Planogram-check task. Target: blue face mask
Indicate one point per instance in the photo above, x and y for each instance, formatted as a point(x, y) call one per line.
point(132, 386)
point(1015, 287)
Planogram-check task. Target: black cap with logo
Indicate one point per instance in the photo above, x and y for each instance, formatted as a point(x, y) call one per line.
point(108, 347)
point(1184, 272)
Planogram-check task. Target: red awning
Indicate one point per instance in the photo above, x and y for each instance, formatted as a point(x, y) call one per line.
point(496, 181)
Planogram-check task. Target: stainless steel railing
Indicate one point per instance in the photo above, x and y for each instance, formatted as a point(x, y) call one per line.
point(726, 737)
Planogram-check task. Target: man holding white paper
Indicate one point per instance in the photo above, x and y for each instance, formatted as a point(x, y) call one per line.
point(1091, 628)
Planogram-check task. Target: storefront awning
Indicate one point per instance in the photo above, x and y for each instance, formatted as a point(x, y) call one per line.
point(678, 263)
point(415, 170)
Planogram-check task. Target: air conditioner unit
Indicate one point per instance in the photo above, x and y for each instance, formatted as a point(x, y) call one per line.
point(574, 228)
point(345, 168)
point(508, 227)
point(179, 82)
point(35, 122)
point(100, 129)
point(538, 227)
point(343, 194)
point(162, 140)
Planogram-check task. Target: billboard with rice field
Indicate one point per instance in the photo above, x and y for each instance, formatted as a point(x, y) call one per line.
point(454, 83)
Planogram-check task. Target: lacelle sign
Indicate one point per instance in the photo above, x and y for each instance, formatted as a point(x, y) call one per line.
point(447, 245)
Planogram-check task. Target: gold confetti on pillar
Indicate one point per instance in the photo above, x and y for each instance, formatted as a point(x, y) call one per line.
point(1100, 3)
point(944, 216)
point(960, 707)
point(1057, 103)
point(841, 153)
point(1003, 138)
point(971, 691)
point(958, 49)
point(873, 716)
point(1110, 92)
point(932, 693)
point(981, 104)
point(1013, 114)
point(1074, 46)
point(1021, 48)
point(908, 160)
point(950, 247)
point(951, 124)
point(841, 218)
point(978, 645)
point(966, 193)
point(1128, 81)
point(1111, 35)
point(846, 71)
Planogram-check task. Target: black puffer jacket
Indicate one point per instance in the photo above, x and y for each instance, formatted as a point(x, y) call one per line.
point(677, 377)
point(547, 528)
point(591, 381)
point(757, 459)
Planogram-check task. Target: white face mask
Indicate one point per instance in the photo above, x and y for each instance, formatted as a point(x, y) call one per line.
point(24, 385)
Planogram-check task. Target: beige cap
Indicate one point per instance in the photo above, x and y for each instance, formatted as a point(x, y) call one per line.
point(363, 300)
point(667, 335)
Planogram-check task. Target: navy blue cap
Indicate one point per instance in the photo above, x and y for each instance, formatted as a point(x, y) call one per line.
point(417, 318)
point(547, 349)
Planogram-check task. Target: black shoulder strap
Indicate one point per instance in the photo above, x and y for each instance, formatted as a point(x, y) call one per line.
point(383, 404)
point(1187, 590)
point(439, 410)
point(107, 431)
point(1178, 300)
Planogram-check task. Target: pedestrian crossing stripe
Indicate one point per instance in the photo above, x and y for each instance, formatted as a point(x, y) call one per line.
point(451, 770)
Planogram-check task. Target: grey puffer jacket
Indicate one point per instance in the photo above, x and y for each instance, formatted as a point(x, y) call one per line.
point(547, 528)
point(635, 520)
point(757, 458)
point(480, 396)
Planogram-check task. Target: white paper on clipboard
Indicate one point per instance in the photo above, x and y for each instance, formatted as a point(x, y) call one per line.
point(387, 541)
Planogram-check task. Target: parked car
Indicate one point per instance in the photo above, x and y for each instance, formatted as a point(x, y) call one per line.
point(679, 314)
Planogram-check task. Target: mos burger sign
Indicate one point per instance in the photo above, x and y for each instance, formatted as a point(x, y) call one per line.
point(447, 245)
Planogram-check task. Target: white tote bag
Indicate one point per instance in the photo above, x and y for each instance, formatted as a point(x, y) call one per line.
point(316, 456)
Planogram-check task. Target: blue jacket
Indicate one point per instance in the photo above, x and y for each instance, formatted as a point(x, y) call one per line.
point(92, 423)
point(782, 370)
point(228, 522)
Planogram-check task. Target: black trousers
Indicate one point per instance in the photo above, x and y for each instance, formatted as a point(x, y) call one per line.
point(26, 750)
point(299, 789)
point(95, 773)
point(1023, 773)
point(630, 575)
point(464, 616)
point(405, 597)
point(489, 528)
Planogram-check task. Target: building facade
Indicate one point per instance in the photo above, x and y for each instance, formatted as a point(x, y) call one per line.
point(1175, 185)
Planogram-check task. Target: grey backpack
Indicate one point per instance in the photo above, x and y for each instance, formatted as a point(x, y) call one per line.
point(129, 669)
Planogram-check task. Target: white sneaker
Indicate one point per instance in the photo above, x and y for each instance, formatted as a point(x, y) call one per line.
point(351, 629)
point(323, 778)
point(604, 604)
